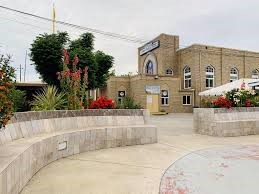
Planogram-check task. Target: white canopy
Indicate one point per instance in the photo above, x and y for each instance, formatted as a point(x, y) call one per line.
point(218, 91)
point(254, 84)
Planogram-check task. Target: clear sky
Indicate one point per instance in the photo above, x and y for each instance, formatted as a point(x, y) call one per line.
point(228, 23)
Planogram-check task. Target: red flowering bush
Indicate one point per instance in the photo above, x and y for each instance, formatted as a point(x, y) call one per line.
point(222, 102)
point(102, 103)
point(248, 103)
point(6, 85)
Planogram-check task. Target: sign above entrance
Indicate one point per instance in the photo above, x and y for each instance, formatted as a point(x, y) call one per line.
point(152, 89)
point(149, 47)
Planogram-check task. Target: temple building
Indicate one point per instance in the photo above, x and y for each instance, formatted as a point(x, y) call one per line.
point(170, 79)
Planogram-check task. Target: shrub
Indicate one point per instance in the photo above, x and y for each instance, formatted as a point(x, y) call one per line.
point(102, 103)
point(49, 99)
point(18, 98)
point(128, 103)
point(248, 103)
point(231, 95)
point(207, 103)
point(6, 85)
point(241, 97)
point(6, 108)
point(255, 101)
point(237, 98)
point(222, 102)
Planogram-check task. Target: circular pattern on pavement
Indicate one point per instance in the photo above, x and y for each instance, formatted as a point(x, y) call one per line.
point(226, 170)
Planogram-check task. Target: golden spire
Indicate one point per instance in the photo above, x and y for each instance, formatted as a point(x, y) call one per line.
point(53, 18)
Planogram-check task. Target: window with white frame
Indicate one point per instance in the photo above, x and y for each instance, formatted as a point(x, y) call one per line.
point(187, 100)
point(233, 74)
point(187, 77)
point(121, 96)
point(209, 77)
point(169, 72)
point(255, 74)
point(164, 97)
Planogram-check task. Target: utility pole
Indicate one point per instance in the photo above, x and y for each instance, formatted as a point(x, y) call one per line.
point(25, 64)
point(20, 70)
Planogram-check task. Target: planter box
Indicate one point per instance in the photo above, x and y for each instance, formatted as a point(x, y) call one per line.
point(226, 122)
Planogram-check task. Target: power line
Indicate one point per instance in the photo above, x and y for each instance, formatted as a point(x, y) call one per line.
point(123, 37)
point(110, 34)
point(35, 26)
point(27, 24)
point(113, 35)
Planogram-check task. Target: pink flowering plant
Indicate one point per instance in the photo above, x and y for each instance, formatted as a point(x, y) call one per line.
point(242, 97)
point(73, 83)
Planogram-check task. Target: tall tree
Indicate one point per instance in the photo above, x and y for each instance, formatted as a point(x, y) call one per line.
point(47, 54)
point(83, 48)
point(104, 64)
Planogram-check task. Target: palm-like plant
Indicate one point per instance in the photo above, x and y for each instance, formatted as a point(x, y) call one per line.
point(49, 99)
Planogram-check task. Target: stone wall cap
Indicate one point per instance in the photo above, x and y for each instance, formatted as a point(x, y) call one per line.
point(39, 115)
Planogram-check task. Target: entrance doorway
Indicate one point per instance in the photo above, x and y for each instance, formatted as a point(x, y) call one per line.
point(153, 103)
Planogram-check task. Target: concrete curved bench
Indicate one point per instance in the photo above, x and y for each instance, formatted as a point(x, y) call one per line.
point(33, 140)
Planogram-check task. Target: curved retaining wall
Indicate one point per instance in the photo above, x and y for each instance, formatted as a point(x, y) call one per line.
point(34, 139)
point(226, 122)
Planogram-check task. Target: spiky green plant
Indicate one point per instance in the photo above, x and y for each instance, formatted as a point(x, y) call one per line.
point(49, 99)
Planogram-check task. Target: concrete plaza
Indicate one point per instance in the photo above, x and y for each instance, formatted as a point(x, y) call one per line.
point(136, 169)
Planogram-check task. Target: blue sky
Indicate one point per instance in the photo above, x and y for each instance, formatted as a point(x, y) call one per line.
point(232, 23)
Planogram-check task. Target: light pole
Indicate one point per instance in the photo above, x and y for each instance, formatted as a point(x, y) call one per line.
point(25, 64)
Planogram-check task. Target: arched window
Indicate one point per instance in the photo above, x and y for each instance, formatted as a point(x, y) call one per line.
point(169, 72)
point(187, 74)
point(150, 65)
point(150, 68)
point(209, 77)
point(255, 74)
point(233, 74)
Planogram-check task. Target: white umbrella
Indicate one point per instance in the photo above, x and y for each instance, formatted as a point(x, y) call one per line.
point(219, 91)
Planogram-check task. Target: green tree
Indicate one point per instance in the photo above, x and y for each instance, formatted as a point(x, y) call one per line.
point(85, 41)
point(104, 64)
point(47, 53)
point(86, 59)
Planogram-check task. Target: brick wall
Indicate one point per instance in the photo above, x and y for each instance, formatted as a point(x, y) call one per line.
point(197, 57)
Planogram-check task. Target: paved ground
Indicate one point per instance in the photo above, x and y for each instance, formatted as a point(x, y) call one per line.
point(128, 170)
point(224, 170)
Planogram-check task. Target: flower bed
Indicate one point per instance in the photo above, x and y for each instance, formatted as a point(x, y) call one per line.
point(235, 98)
